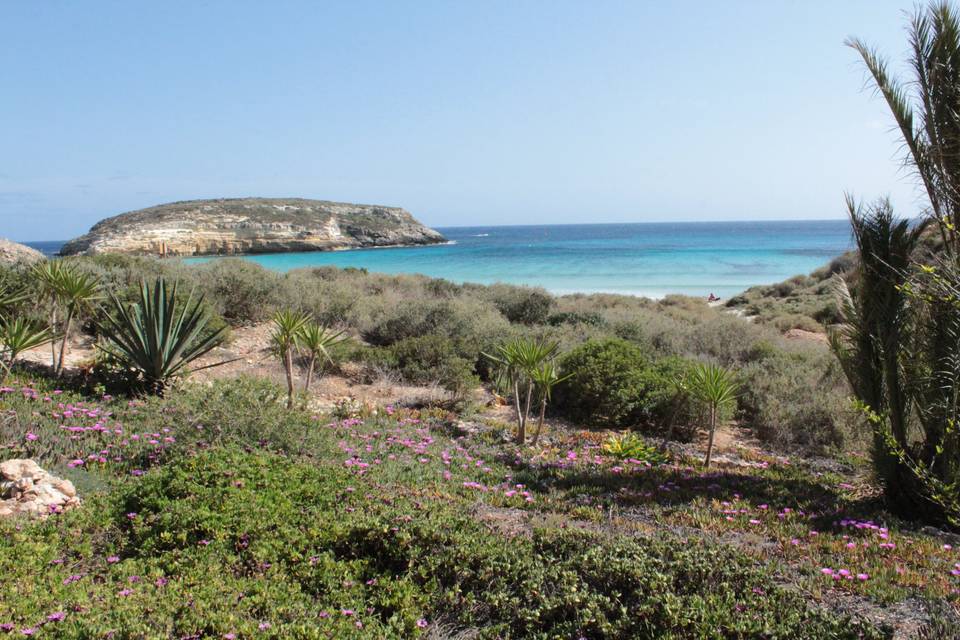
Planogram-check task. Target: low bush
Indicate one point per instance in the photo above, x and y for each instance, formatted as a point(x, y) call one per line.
point(797, 400)
point(431, 359)
point(613, 384)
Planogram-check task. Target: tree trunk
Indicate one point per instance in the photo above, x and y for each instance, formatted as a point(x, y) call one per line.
point(522, 436)
point(53, 343)
point(543, 413)
point(713, 429)
point(516, 403)
point(309, 378)
point(63, 345)
point(288, 367)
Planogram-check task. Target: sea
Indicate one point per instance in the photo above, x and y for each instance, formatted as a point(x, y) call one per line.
point(643, 259)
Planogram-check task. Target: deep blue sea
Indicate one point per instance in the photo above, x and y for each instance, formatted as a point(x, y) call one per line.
point(648, 259)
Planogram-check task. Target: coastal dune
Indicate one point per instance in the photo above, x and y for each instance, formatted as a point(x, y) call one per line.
point(251, 225)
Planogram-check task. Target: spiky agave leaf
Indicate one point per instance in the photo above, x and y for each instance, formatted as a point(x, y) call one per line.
point(152, 338)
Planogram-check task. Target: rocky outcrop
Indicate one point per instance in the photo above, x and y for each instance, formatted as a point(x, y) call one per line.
point(13, 252)
point(26, 489)
point(251, 225)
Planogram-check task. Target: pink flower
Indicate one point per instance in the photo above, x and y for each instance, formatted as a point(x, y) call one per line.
point(56, 617)
point(32, 436)
point(113, 559)
point(421, 623)
point(863, 576)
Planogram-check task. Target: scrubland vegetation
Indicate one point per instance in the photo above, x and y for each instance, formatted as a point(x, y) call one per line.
point(233, 508)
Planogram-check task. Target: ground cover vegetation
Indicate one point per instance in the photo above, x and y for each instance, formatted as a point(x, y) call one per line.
point(593, 521)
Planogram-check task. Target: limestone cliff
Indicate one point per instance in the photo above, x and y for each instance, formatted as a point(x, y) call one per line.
point(251, 225)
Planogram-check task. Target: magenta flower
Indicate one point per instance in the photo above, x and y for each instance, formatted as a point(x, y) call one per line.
point(56, 617)
point(421, 623)
point(31, 436)
point(113, 559)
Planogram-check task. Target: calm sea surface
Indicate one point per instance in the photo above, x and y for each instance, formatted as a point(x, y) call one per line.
point(651, 259)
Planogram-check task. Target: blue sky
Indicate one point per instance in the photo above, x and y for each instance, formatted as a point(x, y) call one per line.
point(465, 113)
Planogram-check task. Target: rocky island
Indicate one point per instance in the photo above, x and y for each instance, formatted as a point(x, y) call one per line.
point(251, 225)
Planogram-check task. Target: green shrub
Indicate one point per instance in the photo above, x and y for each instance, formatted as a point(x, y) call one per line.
point(615, 385)
point(796, 400)
point(524, 305)
point(242, 292)
point(431, 359)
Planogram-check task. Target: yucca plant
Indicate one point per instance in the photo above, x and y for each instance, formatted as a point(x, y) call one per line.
point(517, 362)
point(287, 327)
point(47, 275)
point(16, 336)
point(545, 378)
point(156, 336)
point(715, 389)
point(316, 340)
point(75, 291)
point(11, 296)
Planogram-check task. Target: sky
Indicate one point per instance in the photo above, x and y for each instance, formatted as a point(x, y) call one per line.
point(465, 113)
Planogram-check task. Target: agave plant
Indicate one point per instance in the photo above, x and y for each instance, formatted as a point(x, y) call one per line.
point(287, 327)
point(518, 361)
point(316, 340)
point(715, 389)
point(16, 336)
point(629, 445)
point(157, 337)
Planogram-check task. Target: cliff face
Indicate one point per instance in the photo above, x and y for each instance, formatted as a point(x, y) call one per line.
point(13, 252)
point(251, 225)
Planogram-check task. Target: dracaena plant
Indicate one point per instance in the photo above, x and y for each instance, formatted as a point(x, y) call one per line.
point(715, 390)
point(287, 327)
point(520, 362)
point(16, 336)
point(76, 291)
point(158, 337)
point(315, 341)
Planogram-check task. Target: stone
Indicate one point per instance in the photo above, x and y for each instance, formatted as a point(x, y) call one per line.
point(251, 225)
point(13, 252)
point(26, 489)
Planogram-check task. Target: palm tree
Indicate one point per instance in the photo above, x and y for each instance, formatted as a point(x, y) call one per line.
point(75, 290)
point(287, 326)
point(715, 388)
point(517, 360)
point(158, 337)
point(899, 344)
point(869, 343)
point(317, 340)
point(545, 377)
point(16, 336)
point(927, 109)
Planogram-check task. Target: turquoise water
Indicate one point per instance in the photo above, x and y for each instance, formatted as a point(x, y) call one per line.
point(650, 259)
